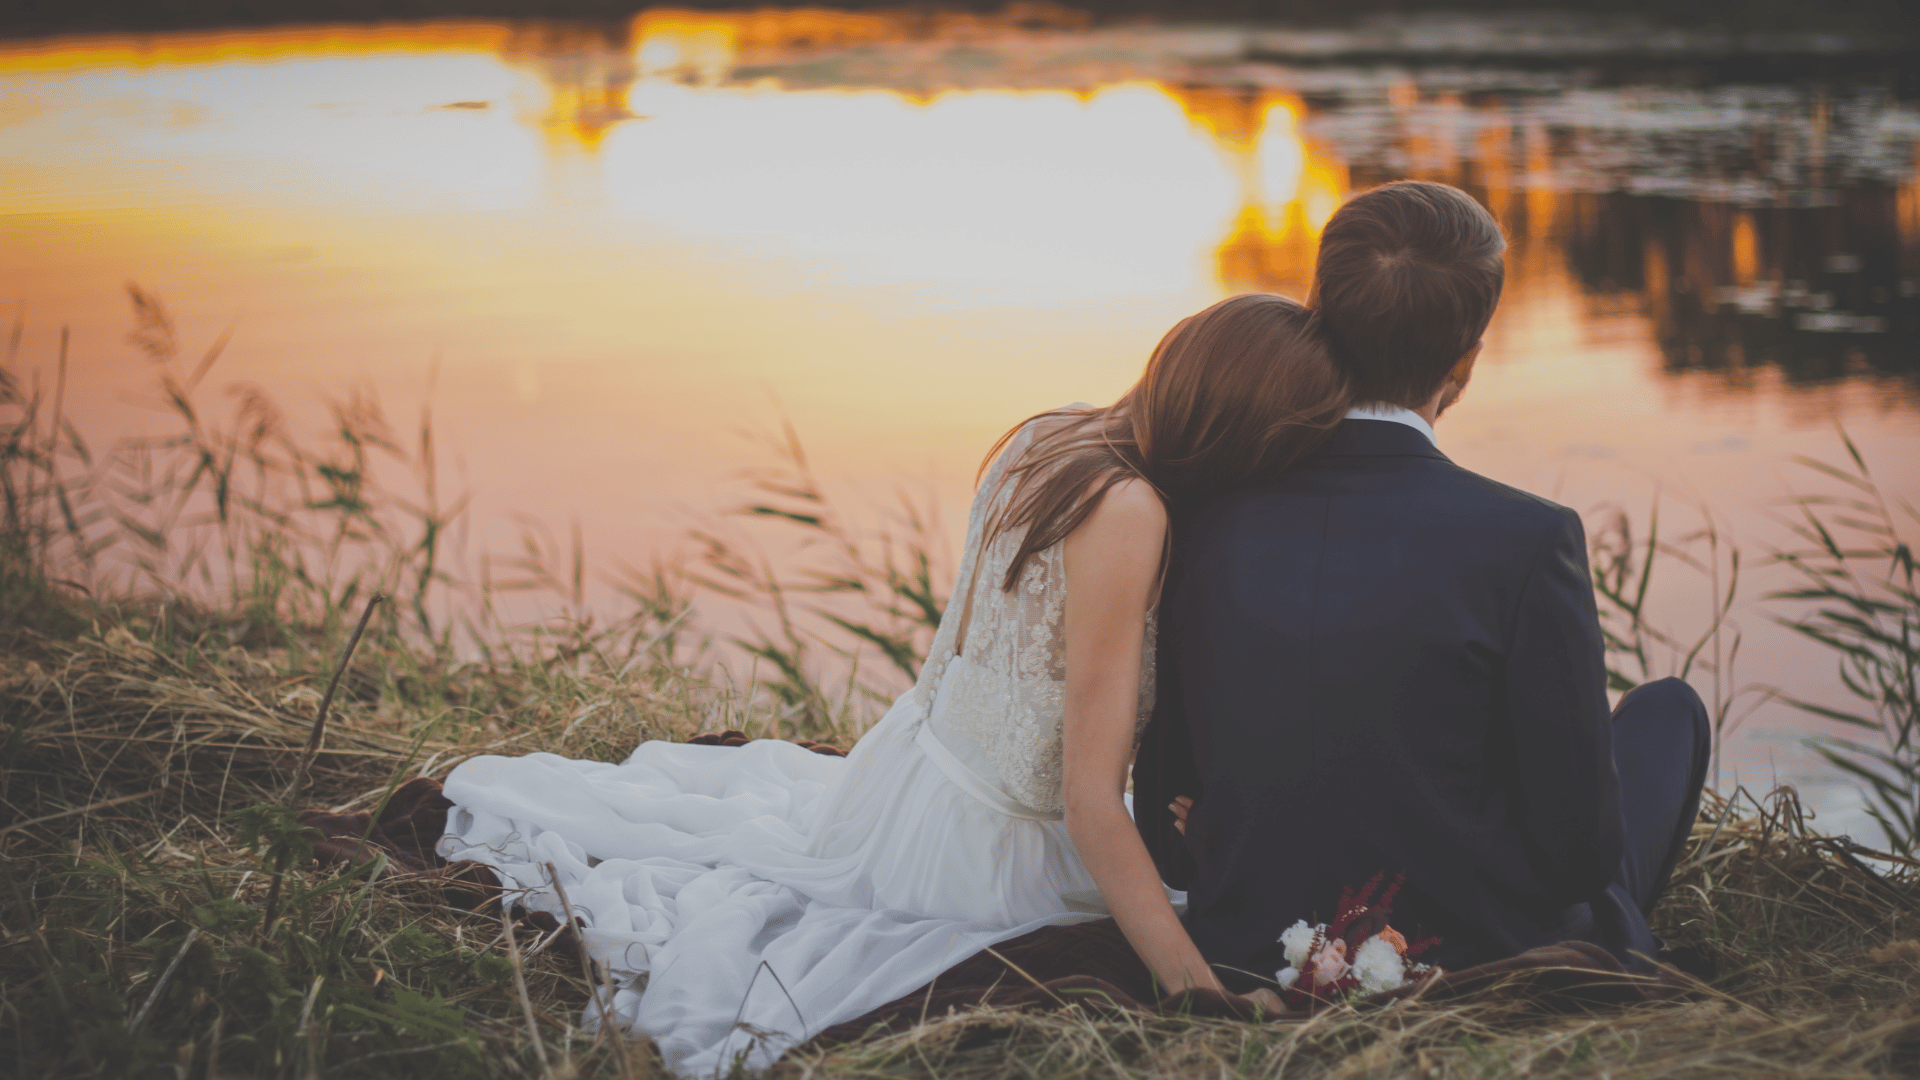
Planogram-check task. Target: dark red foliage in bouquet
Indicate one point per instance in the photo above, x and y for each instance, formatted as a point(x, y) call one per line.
point(1330, 971)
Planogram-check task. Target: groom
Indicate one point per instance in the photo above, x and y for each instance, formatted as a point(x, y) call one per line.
point(1385, 663)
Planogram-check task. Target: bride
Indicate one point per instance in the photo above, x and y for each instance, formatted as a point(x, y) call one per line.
point(746, 898)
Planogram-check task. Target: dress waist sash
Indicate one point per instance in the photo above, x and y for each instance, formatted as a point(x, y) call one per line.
point(970, 782)
point(958, 771)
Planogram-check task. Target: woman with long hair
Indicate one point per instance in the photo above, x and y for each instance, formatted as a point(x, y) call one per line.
point(767, 892)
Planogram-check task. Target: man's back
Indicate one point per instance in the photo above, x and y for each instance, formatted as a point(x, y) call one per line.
point(1382, 663)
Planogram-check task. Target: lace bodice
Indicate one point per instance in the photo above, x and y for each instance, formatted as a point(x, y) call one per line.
point(1004, 705)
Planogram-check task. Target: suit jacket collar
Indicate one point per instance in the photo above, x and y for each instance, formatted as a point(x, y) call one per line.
point(1379, 438)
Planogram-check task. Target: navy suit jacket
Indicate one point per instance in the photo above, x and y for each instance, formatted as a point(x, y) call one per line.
point(1381, 663)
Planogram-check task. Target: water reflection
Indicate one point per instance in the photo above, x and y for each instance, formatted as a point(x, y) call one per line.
point(914, 227)
point(1757, 226)
point(1761, 226)
point(1766, 235)
point(1289, 186)
point(587, 71)
point(1817, 292)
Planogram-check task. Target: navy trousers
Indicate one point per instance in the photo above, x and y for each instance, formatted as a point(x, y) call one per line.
point(1662, 743)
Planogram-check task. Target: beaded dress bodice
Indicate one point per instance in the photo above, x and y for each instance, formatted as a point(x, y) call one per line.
point(1000, 709)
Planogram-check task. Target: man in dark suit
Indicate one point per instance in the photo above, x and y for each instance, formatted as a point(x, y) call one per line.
point(1384, 663)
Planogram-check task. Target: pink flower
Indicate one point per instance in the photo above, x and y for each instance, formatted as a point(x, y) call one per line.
point(1331, 964)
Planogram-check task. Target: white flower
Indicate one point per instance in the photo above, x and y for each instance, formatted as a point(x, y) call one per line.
point(1286, 977)
point(1298, 939)
point(1378, 966)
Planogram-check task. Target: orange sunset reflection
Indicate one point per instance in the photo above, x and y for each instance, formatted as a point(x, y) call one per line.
point(575, 85)
point(1288, 186)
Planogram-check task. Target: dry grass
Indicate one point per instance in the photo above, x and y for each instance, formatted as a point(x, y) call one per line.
point(160, 743)
point(213, 727)
point(1817, 943)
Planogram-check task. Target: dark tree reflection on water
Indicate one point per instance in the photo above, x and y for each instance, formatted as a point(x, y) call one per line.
point(1819, 292)
point(1757, 226)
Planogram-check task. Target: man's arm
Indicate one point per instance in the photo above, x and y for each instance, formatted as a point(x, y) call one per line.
point(1569, 812)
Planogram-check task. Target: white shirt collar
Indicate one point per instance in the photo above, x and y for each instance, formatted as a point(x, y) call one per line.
point(1396, 414)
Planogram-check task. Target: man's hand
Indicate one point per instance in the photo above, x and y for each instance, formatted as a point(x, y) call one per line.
point(1181, 807)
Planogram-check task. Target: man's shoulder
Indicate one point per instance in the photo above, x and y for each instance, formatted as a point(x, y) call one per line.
point(1429, 487)
point(1427, 510)
point(1516, 506)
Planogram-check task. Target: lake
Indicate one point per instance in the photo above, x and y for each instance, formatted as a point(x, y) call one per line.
point(613, 257)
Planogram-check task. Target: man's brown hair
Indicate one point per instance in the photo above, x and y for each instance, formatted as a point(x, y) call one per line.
point(1409, 275)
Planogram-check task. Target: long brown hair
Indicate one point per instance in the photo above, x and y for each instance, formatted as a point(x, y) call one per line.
point(1231, 396)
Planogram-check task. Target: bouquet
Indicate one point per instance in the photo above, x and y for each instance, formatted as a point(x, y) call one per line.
point(1356, 952)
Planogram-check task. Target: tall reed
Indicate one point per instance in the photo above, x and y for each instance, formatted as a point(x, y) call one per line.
point(1858, 596)
point(1624, 565)
point(840, 590)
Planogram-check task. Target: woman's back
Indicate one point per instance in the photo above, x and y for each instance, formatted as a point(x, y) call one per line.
point(1001, 707)
point(951, 805)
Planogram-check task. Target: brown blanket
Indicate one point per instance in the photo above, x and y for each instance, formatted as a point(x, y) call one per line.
point(406, 830)
point(1086, 966)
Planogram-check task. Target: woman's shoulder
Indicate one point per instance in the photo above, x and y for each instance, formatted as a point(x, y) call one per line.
point(1128, 524)
point(1133, 503)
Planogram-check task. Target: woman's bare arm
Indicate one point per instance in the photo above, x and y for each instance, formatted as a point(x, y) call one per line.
point(1113, 567)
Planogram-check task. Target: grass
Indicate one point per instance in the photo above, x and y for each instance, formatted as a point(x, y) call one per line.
point(839, 591)
point(173, 612)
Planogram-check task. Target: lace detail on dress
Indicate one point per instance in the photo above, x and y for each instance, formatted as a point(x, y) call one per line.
point(1012, 699)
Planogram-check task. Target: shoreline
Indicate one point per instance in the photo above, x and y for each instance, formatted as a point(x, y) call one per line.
point(1367, 31)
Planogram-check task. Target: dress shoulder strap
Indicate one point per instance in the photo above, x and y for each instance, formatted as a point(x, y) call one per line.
point(947, 640)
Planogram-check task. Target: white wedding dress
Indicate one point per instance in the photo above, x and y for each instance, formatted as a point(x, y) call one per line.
point(766, 892)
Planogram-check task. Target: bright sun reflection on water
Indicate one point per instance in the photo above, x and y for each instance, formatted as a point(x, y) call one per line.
point(1012, 197)
point(998, 198)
